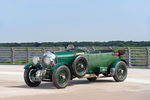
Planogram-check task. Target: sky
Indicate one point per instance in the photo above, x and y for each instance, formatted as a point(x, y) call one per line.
point(74, 20)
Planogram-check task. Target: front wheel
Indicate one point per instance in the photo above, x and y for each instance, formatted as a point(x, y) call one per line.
point(61, 76)
point(120, 71)
point(29, 76)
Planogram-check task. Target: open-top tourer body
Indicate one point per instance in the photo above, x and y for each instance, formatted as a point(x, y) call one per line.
point(62, 66)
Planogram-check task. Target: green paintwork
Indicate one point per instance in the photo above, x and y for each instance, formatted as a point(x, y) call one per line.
point(57, 65)
point(97, 61)
point(27, 65)
point(113, 65)
point(103, 69)
point(65, 57)
point(100, 59)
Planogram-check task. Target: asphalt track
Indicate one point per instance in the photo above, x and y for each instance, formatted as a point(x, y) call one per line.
point(135, 87)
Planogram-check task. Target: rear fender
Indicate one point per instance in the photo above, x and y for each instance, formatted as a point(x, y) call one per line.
point(112, 68)
point(125, 62)
point(115, 62)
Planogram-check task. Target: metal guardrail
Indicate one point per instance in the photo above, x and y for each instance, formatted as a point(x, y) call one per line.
point(136, 56)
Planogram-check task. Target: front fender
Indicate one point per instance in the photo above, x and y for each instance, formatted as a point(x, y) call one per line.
point(28, 65)
point(55, 66)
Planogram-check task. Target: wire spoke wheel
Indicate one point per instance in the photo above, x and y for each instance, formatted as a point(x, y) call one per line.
point(29, 77)
point(120, 71)
point(32, 75)
point(80, 66)
point(61, 76)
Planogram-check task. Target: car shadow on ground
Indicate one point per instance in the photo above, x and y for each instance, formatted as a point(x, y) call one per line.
point(78, 82)
point(49, 85)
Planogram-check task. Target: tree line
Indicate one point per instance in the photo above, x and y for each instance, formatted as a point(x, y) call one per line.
point(65, 44)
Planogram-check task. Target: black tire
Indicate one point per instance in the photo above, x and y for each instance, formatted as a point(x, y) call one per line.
point(93, 79)
point(28, 80)
point(59, 76)
point(80, 66)
point(121, 71)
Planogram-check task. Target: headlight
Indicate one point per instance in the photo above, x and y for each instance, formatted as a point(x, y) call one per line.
point(35, 60)
point(48, 59)
point(50, 54)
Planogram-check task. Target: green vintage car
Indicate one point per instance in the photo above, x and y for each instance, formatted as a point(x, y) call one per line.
point(62, 66)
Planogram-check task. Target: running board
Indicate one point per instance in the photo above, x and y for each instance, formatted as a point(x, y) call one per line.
point(93, 75)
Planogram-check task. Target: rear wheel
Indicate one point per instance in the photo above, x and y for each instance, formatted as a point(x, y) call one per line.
point(61, 76)
point(93, 79)
point(29, 77)
point(120, 71)
point(80, 66)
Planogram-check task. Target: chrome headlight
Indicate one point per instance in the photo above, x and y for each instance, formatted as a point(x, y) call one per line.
point(50, 54)
point(48, 59)
point(35, 60)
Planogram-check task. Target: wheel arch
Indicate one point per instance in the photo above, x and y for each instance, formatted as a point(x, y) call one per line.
point(68, 65)
point(113, 65)
point(124, 61)
point(28, 65)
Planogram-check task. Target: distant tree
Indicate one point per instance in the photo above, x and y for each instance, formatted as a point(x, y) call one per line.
point(65, 44)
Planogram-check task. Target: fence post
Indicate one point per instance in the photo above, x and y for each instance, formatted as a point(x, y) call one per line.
point(12, 55)
point(110, 48)
point(27, 55)
point(147, 57)
point(61, 49)
point(129, 56)
point(43, 50)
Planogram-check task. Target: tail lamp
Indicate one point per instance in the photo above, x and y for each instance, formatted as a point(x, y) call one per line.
point(116, 52)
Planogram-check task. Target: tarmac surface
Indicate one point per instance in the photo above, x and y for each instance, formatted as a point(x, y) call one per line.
point(135, 87)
